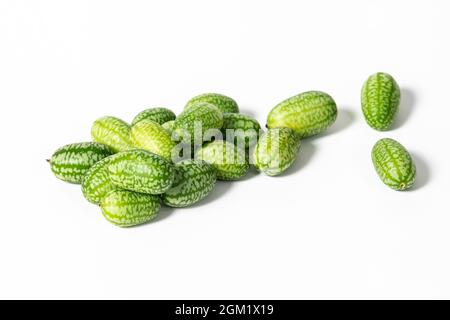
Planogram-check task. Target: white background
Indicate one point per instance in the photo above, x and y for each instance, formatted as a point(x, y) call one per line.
point(328, 228)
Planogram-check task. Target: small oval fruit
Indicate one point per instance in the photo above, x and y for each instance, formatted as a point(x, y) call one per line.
point(194, 180)
point(223, 103)
point(168, 126)
point(243, 129)
point(150, 136)
point(229, 161)
point(159, 115)
point(308, 113)
point(380, 99)
point(141, 171)
point(71, 162)
point(96, 183)
point(113, 132)
point(394, 164)
point(127, 208)
point(204, 116)
point(276, 151)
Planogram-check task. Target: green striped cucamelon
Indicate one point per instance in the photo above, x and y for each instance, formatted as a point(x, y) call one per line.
point(168, 125)
point(71, 162)
point(204, 116)
point(159, 115)
point(224, 103)
point(394, 164)
point(276, 151)
point(194, 180)
point(127, 208)
point(113, 132)
point(229, 161)
point(308, 113)
point(96, 183)
point(150, 136)
point(141, 171)
point(240, 129)
point(380, 98)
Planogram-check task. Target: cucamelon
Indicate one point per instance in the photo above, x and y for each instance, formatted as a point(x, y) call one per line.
point(127, 208)
point(71, 162)
point(96, 183)
point(141, 171)
point(194, 180)
point(394, 164)
point(244, 129)
point(113, 132)
point(276, 150)
point(159, 115)
point(308, 113)
point(380, 99)
point(149, 135)
point(224, 103)
point(229, 161)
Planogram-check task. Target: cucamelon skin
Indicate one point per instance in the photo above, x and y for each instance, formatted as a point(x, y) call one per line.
point(168, 125)
point(150, 136)
point(308, 113)
point(127, 208)
point(71, 162)
point(276, 151)
point(113, 132)
point(194, 180)
point(380, 99)
point(245, 128)
point(96, 183)
point(224, 103)
point(229, 161)
point(159, 115)
point(204, 114)
point(141, 171)
point(394, 164)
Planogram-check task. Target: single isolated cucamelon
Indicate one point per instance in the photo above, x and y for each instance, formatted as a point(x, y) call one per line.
point(240, 129)
point(394, 164)
point(229, 161)
point(380, 99)
point(96, 183)
point(141, 171)
point(159, 115)
point(71, 162)
point(308, 113)
point(223, 103)
point(194, 180)
point(113, 132)
point(127, 208)
point(150, 136)
point(276, 151)
point(203, 115)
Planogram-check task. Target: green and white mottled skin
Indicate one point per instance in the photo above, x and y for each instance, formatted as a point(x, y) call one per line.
point(224, 103)
point(380, 99)
point(71, 162)
point(150, 136)
point(276, 151)
point(113, 132)
point(127, 208)
point(308, 113)
point(168, 126)
point(159, 115)
point(96, 183)
point(194, 180)
point(229, 161)
point(141, 171)
point(245, 128)
point(394, 164)
point(209, 116)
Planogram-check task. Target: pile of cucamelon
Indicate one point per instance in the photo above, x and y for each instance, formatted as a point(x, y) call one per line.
point(130, 169)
